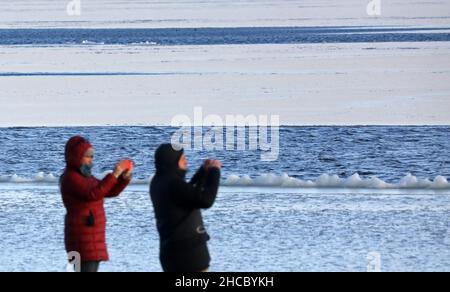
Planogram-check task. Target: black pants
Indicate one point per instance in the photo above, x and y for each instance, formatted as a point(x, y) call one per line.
point(193, 260)
point(89, 267)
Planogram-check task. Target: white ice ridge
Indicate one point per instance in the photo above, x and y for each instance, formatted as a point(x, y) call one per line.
point(284, 181)
point(41, 177)
point(334, 181)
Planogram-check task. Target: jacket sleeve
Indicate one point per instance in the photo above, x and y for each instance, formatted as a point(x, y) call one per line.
point(200, 195)
point(85, 190)
point(118, 188)
point(199, 176)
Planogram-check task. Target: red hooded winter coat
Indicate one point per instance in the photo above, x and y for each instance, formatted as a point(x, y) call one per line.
point(83, 197)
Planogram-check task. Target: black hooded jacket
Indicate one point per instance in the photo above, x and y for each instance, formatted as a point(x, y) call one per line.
point(177, 203)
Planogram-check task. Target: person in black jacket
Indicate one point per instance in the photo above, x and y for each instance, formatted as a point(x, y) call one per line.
point(177, 204)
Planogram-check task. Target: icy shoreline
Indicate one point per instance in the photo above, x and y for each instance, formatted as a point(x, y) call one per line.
point(282, 181)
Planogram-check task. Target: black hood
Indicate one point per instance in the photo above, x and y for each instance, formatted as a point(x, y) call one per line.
point(166, 160)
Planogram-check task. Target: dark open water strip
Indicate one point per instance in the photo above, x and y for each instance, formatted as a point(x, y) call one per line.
point(222, 36)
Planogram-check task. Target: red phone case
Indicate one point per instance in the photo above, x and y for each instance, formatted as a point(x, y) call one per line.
point(127, 164)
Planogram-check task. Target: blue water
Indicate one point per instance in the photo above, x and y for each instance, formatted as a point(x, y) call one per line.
point(222, 36)
point(388, 153)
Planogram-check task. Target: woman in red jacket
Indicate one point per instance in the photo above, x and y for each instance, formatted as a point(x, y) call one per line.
point(83, 196)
